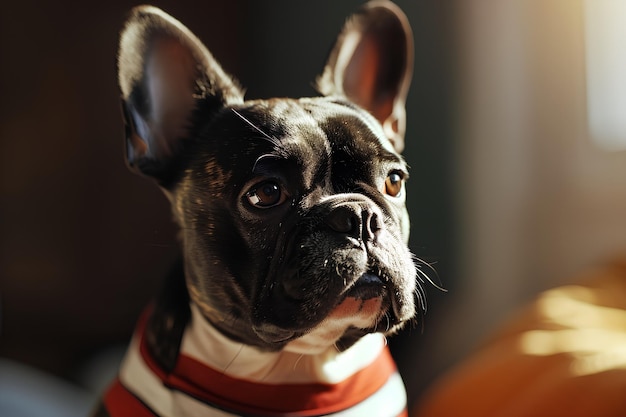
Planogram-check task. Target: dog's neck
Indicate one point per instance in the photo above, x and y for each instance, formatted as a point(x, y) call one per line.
point(214, 373)
point(206, 344)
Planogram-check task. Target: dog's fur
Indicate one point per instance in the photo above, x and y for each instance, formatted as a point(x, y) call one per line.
point(292, 211)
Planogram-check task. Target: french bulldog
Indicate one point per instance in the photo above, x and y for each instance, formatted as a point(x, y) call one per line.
point(293, 228)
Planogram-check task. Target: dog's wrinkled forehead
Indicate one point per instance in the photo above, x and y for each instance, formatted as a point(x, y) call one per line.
point(308, 132)
point(359, 123)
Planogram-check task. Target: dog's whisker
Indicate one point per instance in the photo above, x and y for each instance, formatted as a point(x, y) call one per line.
point(233, 359)
point(424, 277)
point(272, 140)
point(295, 364)
point(420, 293)
point(378, 320)
point(419, 263)
point(270, 370)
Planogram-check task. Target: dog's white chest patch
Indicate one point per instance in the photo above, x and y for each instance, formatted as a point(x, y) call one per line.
point(312, 358)
point(351, 312)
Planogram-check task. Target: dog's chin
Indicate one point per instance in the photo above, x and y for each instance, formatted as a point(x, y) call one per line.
point(366, 307)
point(371, 304)
point(351, 313)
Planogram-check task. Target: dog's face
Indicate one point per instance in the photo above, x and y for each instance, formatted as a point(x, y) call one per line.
point(292, 212)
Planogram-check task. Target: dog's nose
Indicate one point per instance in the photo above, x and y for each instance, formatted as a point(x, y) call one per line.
point(355, 220)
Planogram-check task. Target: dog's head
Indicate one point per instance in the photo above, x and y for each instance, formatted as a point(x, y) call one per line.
point(292, 211)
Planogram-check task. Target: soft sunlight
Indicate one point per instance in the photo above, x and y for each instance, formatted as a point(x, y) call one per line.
point(605, 42)
point(593, 336)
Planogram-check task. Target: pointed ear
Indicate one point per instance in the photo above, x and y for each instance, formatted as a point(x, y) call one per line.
point(371, 64)
point(168, 80)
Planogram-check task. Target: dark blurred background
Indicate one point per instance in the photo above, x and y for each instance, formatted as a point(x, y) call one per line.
point(512, 188)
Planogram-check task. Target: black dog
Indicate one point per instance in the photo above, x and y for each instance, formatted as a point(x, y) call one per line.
point(293, 227)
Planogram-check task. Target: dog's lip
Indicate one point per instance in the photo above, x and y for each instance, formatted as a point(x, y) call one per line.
point(371, 285)
point(367, 286)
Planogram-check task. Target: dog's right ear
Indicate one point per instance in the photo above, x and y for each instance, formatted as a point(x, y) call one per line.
point(167, 78)
point(371, 64)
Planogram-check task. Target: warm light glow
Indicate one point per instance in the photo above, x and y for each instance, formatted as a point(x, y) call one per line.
point(593, 337)
point(574, 306)
point(605, 42)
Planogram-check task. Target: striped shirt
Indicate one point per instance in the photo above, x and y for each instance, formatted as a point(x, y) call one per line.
point(216, 377)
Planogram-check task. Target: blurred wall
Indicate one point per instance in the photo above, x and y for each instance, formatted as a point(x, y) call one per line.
point(83, 244)
point(538, 200)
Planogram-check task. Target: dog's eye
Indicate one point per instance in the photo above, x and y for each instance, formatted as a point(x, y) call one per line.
point(393, 184)
point(266, 194)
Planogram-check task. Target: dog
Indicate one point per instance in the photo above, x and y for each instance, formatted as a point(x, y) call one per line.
point(293, 228)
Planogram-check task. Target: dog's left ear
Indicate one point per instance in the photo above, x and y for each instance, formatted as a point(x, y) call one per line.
point(371, 64)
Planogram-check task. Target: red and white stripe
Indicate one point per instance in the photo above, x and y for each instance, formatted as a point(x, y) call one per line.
point(219, 378)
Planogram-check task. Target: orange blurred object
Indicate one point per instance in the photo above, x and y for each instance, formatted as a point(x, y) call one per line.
point(564, 355)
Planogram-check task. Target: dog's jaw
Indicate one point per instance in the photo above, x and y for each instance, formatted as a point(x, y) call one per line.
point(351, 312)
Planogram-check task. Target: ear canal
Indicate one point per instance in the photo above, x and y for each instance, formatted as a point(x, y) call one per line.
point(371, 64)
point(167, 77)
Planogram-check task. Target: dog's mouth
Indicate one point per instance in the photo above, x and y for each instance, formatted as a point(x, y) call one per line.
point(371, 286)
point(367, 306)
point(366, 287)
point(351, 290)
point(362, 305)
